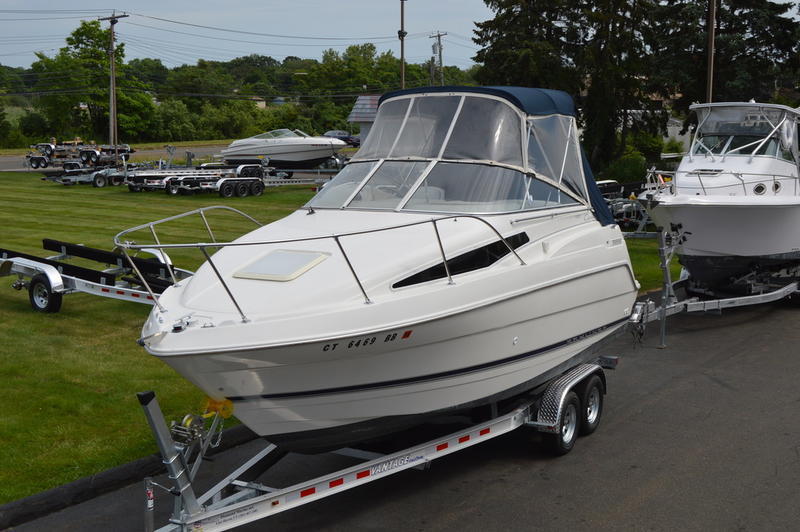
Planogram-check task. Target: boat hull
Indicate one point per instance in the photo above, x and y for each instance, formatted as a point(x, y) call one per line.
point(283, 155)
point(726, 238)
point(394, 378)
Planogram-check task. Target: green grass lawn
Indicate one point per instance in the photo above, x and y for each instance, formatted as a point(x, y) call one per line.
point(70, 378)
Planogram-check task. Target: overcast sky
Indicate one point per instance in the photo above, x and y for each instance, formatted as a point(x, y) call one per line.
point(277, 28)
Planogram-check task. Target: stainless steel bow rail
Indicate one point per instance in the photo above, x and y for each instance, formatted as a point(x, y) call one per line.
point(567, 405)
point(124, 244)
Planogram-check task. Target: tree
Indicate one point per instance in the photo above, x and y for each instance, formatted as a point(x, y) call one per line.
point(622, 59)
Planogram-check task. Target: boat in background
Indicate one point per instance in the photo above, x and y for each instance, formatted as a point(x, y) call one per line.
point(735, 196)
point(463, 257)
point(285, 148)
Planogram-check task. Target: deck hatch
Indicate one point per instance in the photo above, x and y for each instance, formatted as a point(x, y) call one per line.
point(281, 265)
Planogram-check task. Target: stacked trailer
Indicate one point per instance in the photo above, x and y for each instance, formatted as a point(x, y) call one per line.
point(124, 277)
point(75, 154)
point(228, 181)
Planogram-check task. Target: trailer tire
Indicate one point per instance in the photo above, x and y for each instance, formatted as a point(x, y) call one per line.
point(34, 163)
point(563, 441)
point(94, 156)
point(591, 395)
point(41, 295)
point(42, 163)
point(172, 190)
point(99, 181)
point(134, 188)
point(115, 181)
point(48, 150)
point(257, 188)
point(84, 157)
point(242, 189)
point(226, 190)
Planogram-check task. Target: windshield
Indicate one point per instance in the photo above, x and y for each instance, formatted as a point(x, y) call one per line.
point(437, 187)
point(744, 130)
point(280, 133)
point(460, 153)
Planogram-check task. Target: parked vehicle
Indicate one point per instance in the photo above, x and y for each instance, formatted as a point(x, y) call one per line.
point(351, 140)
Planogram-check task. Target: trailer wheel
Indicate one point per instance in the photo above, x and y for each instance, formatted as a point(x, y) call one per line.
point(116, 181)
point(257, 188)
point(99, 181)
point(562, 441)
point(134, 188)
point(43, 163)
point(592, 404)
point(41, 295)
point(84, 156)
point(94, 156)
point(48, 150)
point(242, 189)
point(172, 190)
point(34, 163)
point(226, 190)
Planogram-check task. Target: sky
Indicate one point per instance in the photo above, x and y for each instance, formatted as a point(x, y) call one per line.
point(277, 28)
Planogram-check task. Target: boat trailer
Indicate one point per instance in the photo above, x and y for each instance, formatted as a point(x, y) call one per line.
point(50, 278)
point(554, 409)
point(759, 288)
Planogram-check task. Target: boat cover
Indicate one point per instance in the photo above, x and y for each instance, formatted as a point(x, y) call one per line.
point(533, 102)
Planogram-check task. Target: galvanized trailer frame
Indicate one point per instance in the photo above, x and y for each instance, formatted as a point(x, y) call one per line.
point(234, 501)
point(48, 279)
point(764, 289)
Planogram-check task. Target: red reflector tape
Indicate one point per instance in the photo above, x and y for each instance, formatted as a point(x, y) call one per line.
point(462, 439)
point(308, 491)
point(484, 431)
point(275, 503)
point(441, 446)
point(362, 474)
point(120, 293)
point(106, 290)
point(337, 482)
point(150, 298)
point(407, 334)
point(135, 295)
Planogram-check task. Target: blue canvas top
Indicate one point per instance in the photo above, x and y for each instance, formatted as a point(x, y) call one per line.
point(530, 100)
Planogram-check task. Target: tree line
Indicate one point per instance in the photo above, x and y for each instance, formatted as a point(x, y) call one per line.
point(631, 63)
point(66, 95)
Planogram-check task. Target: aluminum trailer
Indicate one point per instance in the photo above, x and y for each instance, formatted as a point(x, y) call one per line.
point(756, 288)
point(569, 404)
point(48, 279)
point(190, 180)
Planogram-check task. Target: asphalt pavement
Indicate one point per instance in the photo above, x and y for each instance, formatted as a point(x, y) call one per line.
point(702, 435)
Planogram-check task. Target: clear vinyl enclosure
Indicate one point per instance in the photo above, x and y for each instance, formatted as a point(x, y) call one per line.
point(460, 153)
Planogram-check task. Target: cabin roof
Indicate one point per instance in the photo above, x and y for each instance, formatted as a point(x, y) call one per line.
point(531, 101)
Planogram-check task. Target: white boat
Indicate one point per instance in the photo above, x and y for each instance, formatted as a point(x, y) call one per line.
point(459, 259)
point(284, 148)
point(735, 195)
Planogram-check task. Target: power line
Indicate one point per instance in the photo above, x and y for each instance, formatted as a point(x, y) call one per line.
point(252, 42)
point(310, 38)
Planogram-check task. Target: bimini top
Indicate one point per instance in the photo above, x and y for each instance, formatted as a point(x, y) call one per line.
point(531, 101)
point(476, 150)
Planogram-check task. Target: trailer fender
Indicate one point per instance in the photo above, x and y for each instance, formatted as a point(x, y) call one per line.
point(30, 268)
point(550, 409)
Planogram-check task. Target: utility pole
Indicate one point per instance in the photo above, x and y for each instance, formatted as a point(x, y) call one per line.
point(402, 36)
point(711, 25)
point(112, 85)
point(438, 48)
